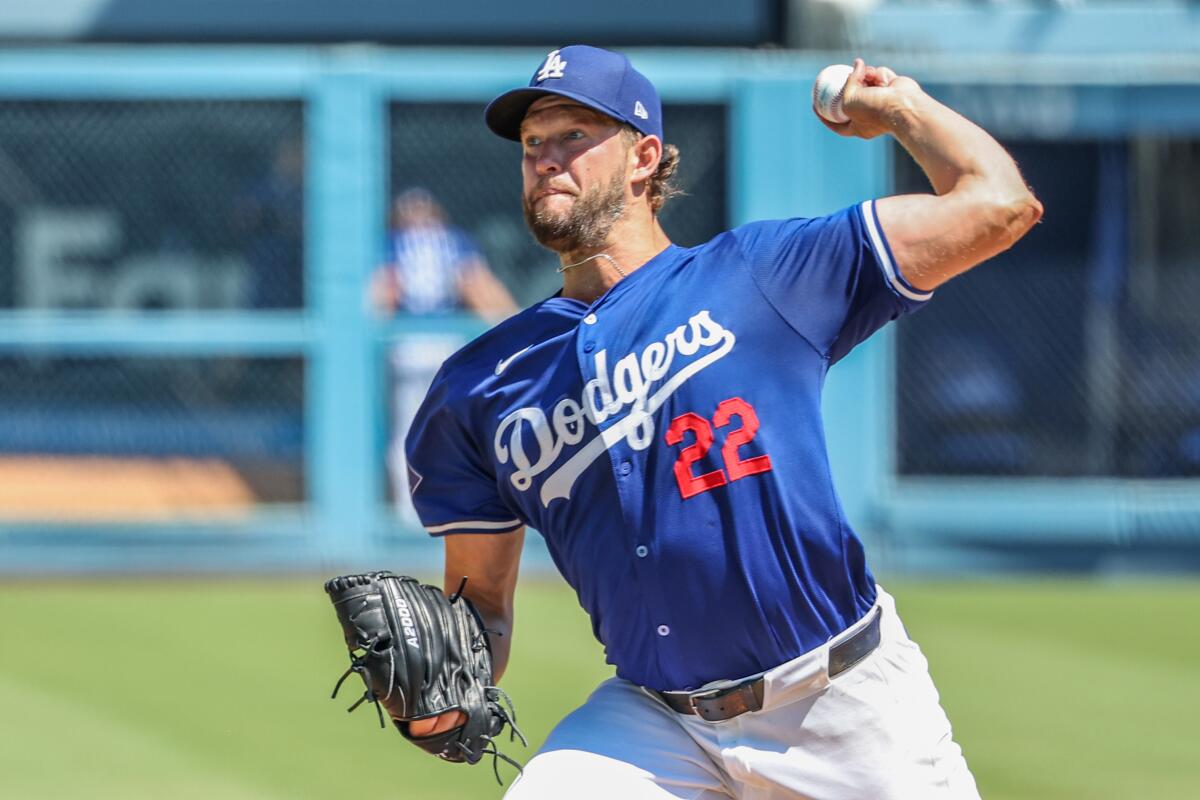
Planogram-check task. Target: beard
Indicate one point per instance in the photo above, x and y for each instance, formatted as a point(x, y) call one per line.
point(586, 226)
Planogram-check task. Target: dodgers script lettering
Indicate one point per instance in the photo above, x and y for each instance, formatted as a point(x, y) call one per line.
point(636, 386)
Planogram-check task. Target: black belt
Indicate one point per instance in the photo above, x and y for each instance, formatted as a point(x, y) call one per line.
point(715, 705)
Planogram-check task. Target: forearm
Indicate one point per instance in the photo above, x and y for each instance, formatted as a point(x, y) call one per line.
point(980, 205)
point(955, 153)
point(498, 622)
point(490, 563)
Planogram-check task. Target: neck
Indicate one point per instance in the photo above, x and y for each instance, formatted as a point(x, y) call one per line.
point(628, 246)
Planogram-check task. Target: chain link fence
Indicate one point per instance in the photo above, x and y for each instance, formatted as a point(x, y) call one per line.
point(135, 207)
point(1077, 353)
point(151, 205)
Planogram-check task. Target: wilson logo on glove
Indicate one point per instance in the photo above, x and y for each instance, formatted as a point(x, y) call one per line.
point(406, 622)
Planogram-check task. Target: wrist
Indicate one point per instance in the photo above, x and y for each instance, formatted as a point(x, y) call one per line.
point(904, 112)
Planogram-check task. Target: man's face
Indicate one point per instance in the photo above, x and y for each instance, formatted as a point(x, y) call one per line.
point(416, 211)
point(575, 171)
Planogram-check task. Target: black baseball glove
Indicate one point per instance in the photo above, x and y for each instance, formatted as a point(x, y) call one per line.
point(422, 654)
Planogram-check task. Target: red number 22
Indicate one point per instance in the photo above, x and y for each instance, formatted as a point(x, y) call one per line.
point(691, 485)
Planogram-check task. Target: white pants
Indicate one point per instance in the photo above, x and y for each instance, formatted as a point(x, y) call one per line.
point(874, 732)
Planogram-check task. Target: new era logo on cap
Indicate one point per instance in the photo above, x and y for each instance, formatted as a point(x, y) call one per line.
point(597, 78)
point(553, 68)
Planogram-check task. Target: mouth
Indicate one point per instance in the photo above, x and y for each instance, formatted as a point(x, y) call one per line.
point(542, 194)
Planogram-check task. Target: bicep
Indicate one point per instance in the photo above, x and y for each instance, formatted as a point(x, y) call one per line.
point(934, 238)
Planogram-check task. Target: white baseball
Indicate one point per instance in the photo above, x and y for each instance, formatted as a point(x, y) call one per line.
point(827, 92)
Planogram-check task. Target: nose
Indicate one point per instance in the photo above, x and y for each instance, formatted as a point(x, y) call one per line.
point(547, 161)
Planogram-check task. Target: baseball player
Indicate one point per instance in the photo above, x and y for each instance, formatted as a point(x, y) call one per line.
point(658, 421)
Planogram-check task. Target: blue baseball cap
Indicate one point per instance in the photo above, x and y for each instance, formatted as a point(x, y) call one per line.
point(599, 79)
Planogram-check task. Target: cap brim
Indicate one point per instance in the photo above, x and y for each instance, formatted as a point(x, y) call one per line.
point(504, 114)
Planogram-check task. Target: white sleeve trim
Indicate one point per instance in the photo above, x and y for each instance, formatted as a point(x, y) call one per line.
point(474, 525)
point(885, 260)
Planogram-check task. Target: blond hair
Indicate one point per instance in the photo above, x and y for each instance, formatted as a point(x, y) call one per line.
point(661, 186)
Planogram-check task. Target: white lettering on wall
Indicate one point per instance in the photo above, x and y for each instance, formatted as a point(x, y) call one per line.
point(71, 258)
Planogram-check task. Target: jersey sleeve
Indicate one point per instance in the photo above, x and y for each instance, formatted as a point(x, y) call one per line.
point(452, 487)
point(832, 278)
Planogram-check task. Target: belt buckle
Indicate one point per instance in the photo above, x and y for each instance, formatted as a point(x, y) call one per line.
point(708, 705)
point(711, 694)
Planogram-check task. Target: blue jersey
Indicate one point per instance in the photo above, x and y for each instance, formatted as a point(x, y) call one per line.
point(429, 261)
point(667, 442)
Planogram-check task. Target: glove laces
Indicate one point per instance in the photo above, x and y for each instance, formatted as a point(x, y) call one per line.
point(358, 664)
point(508, 716)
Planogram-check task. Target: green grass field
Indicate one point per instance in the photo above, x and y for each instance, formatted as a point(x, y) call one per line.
point(220, 689)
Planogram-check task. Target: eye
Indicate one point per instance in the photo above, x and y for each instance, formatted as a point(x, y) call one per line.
point(532, 141)
point(574, 135)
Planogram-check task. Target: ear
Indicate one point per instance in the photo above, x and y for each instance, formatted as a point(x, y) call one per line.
point(644, 157)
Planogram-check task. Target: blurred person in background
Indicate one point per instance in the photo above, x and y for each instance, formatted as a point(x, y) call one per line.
point(431, 267)
point(434, 267)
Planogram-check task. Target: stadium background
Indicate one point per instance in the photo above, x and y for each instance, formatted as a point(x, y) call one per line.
point(194, 387)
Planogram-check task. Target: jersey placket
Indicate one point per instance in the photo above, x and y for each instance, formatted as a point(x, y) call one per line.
point(629, 477)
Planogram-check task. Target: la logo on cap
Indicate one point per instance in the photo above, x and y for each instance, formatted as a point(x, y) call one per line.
point(639, 110)
point(553, 68)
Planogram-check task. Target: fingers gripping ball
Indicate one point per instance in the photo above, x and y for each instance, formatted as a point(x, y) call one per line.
point(828, 89)
point(421, 654)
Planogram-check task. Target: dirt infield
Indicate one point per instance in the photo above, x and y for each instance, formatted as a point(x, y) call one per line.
point(83, 488)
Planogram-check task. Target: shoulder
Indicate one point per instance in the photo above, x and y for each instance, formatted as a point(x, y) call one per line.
point(749, 243)
point(766, 234)
point(476, 361)
point(721, 247)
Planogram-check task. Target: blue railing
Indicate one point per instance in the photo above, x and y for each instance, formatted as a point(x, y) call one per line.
point(782, 163)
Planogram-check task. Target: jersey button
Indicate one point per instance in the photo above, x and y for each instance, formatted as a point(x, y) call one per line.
point(663, 630)
point(589, 347)
point(590, 319)
point(626, 467)
point(642, 551)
